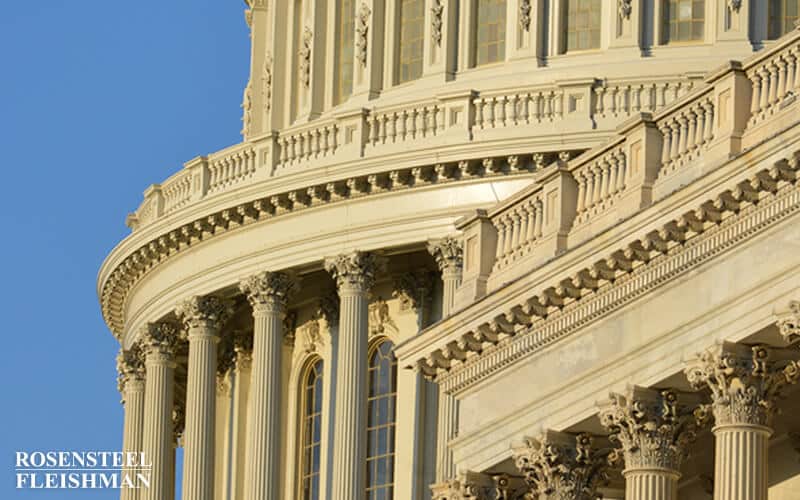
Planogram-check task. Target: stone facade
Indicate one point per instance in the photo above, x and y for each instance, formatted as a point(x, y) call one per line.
point(563, 274)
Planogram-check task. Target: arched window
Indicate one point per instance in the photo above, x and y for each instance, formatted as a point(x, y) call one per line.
point(381, 421)
point(583, 23)
point(311, 426)
point(412, 27)
point(684, 20)
point(345, 50)
point(490, 39)
point(782, 16)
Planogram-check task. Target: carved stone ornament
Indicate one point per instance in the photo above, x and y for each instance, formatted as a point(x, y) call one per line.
point(328, 307)
point(789, 324)
point(448, 253)
point(266, 82)
point(745, 381)
point(243, 347)
point(735, 5)
point(436, 21)
point(560, 466)
point(525, 15)
point(178, 425)
point(226, 357)
point(130, 366)
point(204, 311)
point(305, 57)
point(268, 290)
point(380, 322)
point(413, 289)
point(312, 335)
point(362, 27)
point(625, 7)
point(354, 271)
point(247, 108)
point(289, 328)
point(654, 428)
point(248, 18)
point(160, 338)
point(467, 486)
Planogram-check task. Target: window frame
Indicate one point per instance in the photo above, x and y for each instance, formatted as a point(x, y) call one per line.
point(663, 22)
point(303, 406)
point(564, 29)
point(391, 441)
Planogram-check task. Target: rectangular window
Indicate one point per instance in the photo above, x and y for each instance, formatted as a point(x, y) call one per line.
point(782, 16)
point(684, 20)
point(491, 32)
point(583, 24)
point(412, 27)
point(345, 51)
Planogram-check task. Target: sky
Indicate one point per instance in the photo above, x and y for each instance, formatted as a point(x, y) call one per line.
point(98, 100)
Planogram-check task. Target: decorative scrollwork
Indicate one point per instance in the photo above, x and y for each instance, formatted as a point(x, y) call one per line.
point(625, 7)
point(525, 15)
point(362, 28)
point(437, 8)
point(305, 57)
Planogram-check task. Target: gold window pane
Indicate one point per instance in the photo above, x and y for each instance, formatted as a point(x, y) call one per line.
point(412, 19)
point(684, 20)
point(491, 31)
point(345, 51)
point(583, 18)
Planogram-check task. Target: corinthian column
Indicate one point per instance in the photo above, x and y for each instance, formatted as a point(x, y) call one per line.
point(159, 341)
point(354, 274)
point(655, 430)
point(267, 293)
point(448, 255)
point(203, 318)
point(243, 348)
point(130, 366)
point(561, 466)
point(745, 383)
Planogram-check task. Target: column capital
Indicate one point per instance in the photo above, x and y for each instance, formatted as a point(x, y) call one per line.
point(206, 311)
point(448, 253)
point(654, 428)
point(564, 466)
point(467, 486)
point(268, 289)
point(242, 347)
point(161, 338)
point(328, 307)
point(789, 323)
point(355, 271)
point(745, 381)
point(130, 367)
point(413, 288)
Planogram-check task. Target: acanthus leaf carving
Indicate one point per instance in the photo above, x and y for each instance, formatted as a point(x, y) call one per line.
point(268, 289)
point(413, 289)
point(130, 366)
point(789, 324)
point(161, 338)
point(362, 29)
point(448, 253)
point(204, 311)
point(355, 270)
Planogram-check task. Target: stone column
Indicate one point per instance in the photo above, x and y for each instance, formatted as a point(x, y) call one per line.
point(159, 341)
point(448, 255)
point(655, 430)
point(745, 382)
point(243, 348)
point(354, 274)
point(203, 318)
point(267, 293)
point(130, 366)
point(561, 466)
point(222, 434)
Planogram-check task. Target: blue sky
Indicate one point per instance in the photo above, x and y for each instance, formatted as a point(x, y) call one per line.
point(98, 100)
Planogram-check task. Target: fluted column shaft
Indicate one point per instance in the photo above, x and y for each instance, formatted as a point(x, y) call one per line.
point(157, 437)
point(651, 484)
point(263, 429)
point(349, 453)
point(239, 436)
point(740, 467)
point(267, 293)
point(448, 255)
point(133, 429)
point(201, 391)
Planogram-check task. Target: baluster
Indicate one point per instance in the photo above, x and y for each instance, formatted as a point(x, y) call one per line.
point(511, 109)
point(613, 100)
point(684, 134)
point(559, 98)
point(666, 133)
point(755, 81)
point(334, 137)
point(526, 111)
point(791, 68)
point(781, 78)
point(401, 126)
point(772, 70)
point(700, 127)
point(598, 99)
point(622, 171)
point(613, 167)
point(499, 112)
point(676, 139)
point(522, 214)
point(392, 120)
point(477, 103)
point(500, 228)
point(708, 107)
point(373, 129)
point(489, 112)
point(515, 227)
point(691, 131)
point(537, 232)
point(604, 168)
point(509, 229)
point(764, 89)
point(589, 189)
point(796, 55)
point(537, 106)
point(581, 204)
point(282, 147)
point(411, 130)
point(637, 98)
point(530, 233)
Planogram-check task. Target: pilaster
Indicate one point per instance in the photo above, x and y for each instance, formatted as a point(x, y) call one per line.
point(268, 293)
point(243, 349)
point(131, 382)
point(203, 318)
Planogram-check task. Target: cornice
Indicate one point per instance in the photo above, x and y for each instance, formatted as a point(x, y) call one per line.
point(531, 323)
point(163, 242)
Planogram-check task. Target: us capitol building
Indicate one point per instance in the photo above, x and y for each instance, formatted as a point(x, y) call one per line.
point(479, 249)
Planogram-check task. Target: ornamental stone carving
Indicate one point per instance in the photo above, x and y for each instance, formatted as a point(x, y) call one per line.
point(362, 27)
point(467, 486)
point(130, 366)
point(654, 428)
point(789, 324)
point(380, 322)
point(561, 466)
point(735, 5)
point(206, 311)
point(448, 253)
point(305, 56)
point(268, 290)
point(525, 15)
point(266, 82)
point(312, 334)
point(328, 307)
point(178, 425)
point(437, 8)
point(354, 271)
point(745, 381)
point(247, 108)
point(413, 289)
point(625, 7)
point(160, 338)
point(243, 346)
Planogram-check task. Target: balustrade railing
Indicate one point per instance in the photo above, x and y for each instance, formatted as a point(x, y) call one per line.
point(518, 108)
point(601, 181)
point(228, 168)
point(775, 76)
point(625, 98)
point(177, 191)
point(518, 229)
point(686, 132)
point(309, 143)
point(405, 124)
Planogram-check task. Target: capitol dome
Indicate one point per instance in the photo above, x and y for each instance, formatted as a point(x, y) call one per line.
point(479, 249)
